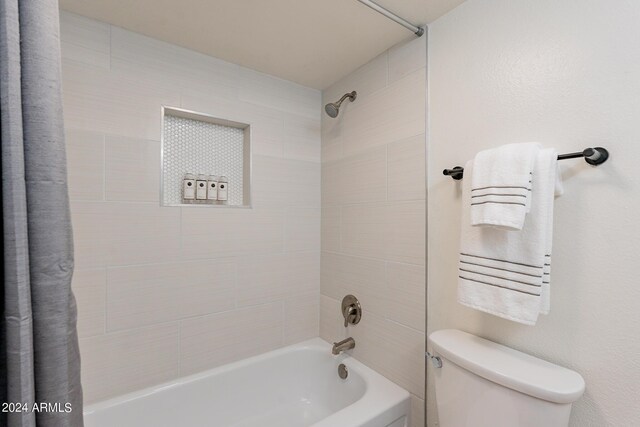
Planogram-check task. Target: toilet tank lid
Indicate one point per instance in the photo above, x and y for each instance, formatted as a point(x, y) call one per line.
point(508, 367)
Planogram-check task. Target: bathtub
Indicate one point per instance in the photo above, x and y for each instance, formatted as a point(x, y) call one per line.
point(296, 386)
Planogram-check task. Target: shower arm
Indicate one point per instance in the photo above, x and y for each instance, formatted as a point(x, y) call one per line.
point(349, 95)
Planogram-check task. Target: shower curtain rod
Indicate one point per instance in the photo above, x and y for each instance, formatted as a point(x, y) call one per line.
point(594, 156)
point(408, 25)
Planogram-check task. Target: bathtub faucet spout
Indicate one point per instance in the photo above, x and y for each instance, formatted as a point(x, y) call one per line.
point(344, 345)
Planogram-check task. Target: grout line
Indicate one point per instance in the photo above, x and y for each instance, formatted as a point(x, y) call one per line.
point(339, 230)
point(386, 54)
point(106, 300)
point(361, 152)
point(110, 46)
point(178, 321)
point(386, 171)
point(284, 229)
point(371, 258)
point(373, 202)
point(104, 167)
point(226, 259)
point(236, 288)
point(284, 320)
point(406, 326)
point(179, 352)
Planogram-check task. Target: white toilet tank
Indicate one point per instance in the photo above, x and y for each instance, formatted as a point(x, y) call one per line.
point(484, 384)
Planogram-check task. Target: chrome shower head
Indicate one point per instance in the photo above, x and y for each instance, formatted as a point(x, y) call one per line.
point(333, 108)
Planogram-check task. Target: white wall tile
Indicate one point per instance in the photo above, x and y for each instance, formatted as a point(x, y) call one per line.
point(363, 277)
point(356, 179)
point(124, 233)
point(363, 177)
point(284, 182)
point(366, 80)
point(132, 169)
point(273, 92)
point(301, 317)
point(331, 149)
point(331, 181)
point(118, 363)
point(373, 215)
point(211, 233)
point(85, 40)
point(177, 264)
point(391, 114)
point(391, 231)
point(90, 250)
point(331, 327)
point(136, 54)
point(406, 169)
point(302, 229)
point(272, 277)
point(406, 293)
point(101, 101)
point(406, 58)
point(150, 294)
point(395, 351)
point(89, 288)
point(85, 164)
point(330, 233)
point(210, 341)
point(301, 138)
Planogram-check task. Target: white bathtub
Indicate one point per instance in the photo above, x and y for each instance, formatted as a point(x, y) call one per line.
point(296, 386)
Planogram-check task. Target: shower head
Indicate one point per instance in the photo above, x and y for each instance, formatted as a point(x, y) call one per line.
point(333, 108)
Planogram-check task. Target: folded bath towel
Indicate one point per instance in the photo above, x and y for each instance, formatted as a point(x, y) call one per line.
point(502, 271)
point(545, 302)
point(501, 185)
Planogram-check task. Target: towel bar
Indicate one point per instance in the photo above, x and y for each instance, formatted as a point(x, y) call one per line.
point(594, 156)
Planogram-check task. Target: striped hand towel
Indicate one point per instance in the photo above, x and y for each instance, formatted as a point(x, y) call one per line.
point(502, 271)
point(501, 185)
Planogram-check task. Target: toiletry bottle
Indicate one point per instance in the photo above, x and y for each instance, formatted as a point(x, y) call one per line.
point(201, 187)
point(223, 188)
point(188, 188)
point(212, 188)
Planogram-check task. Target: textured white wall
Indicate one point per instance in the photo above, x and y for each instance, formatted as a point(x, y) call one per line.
point(167, 291)
point(373, 215)
point(567, 74)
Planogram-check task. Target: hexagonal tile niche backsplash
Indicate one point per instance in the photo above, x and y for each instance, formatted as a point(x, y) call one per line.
point(201, 147)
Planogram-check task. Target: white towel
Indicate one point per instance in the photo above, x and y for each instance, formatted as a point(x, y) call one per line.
point(501, 271)
point(501, 185)
point(545, 303)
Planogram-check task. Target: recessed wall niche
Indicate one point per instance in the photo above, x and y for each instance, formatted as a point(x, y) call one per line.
point(196, 144)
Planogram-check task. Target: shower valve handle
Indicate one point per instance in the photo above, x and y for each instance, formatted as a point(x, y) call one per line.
point(349, 315)
point(351, 310)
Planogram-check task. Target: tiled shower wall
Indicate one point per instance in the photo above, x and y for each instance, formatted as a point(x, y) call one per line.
point(373, 215)
point(167, 291)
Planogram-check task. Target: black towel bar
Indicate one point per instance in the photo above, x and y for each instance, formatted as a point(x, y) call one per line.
point(594, 156)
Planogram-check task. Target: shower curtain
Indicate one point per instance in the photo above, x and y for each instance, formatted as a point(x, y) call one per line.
point(39, 358)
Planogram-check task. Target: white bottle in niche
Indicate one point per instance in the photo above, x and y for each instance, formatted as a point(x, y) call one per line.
point(201, 187)
point(223, 188)
point(212, 187)
point(188, 187)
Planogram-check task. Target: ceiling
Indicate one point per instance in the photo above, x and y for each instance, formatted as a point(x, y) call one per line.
point(311, 42)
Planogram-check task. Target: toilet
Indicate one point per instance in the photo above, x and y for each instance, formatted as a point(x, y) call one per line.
point(483, 384)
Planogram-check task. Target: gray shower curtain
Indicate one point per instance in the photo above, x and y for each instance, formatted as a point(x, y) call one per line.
point(39, 358)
